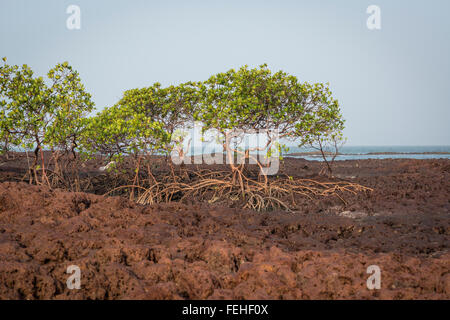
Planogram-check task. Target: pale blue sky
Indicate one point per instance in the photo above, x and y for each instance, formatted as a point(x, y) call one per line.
point(393, 84)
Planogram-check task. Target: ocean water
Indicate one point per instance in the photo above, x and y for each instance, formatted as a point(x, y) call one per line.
point(358, 152)
point(376, 152)
point(348, 152)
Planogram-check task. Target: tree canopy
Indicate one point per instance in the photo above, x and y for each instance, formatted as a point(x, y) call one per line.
point(34, 114)
point(52, 113)
point(246, 100)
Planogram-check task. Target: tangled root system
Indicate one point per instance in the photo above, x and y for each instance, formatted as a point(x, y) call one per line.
point(219, 186)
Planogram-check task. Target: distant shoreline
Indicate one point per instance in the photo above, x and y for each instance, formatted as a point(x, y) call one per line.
point(317, 153)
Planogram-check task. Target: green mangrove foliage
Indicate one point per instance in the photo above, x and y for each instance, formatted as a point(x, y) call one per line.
point(144, 122)
point(37, 114)
point(170, 107)
point(257, 99)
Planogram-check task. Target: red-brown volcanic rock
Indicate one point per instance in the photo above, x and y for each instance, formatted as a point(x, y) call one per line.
point(201, 251)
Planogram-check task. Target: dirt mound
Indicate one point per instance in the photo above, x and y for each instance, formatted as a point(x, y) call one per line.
point(201, 251)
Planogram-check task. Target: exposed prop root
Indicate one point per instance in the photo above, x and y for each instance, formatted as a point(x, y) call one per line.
point(215, 186)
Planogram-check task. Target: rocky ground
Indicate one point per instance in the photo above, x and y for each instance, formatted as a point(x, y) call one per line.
point(209, 251)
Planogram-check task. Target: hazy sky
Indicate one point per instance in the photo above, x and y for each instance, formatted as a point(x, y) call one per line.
point(393, 84)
